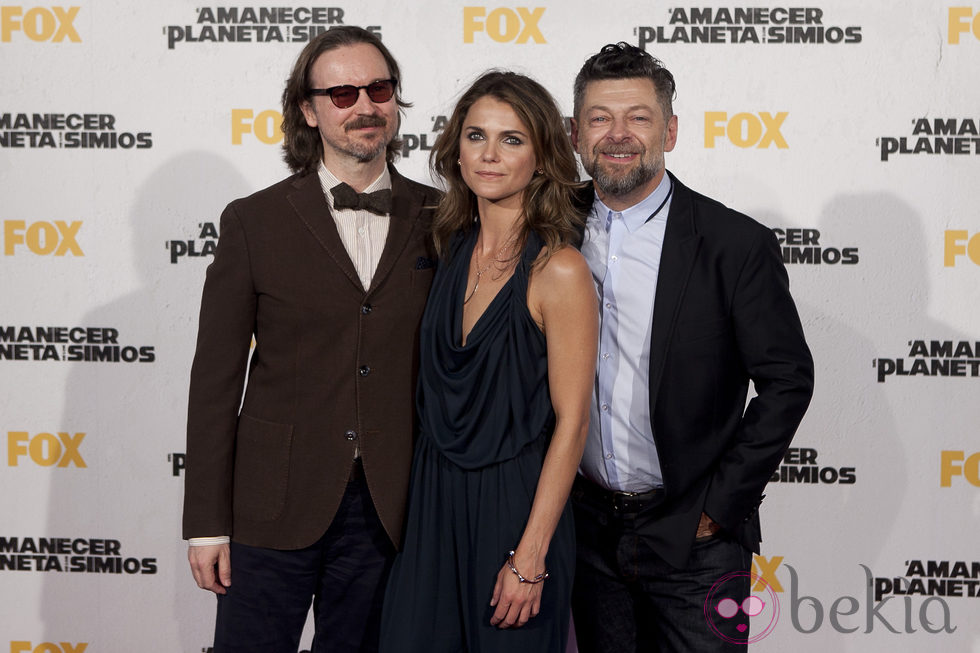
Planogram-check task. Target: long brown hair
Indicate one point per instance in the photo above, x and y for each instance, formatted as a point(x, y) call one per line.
point(547, 200)
point(302, 149)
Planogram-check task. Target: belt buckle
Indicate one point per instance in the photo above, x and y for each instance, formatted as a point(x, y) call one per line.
point(625, 502)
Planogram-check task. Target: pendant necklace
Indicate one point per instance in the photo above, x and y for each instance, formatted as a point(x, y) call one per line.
point(481, 271)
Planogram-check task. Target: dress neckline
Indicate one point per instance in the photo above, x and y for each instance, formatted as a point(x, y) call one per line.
point(459, 300)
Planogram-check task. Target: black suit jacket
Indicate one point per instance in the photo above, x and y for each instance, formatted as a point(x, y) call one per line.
point(723, 316)
point(333, 368)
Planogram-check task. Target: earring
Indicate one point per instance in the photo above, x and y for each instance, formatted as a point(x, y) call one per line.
point(459, 162)
point(539, 171)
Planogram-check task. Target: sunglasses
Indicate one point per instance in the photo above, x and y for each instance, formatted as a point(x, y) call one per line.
point(751, 606)
point(346, 95)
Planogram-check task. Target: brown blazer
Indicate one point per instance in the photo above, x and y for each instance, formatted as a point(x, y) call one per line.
point(333, 368)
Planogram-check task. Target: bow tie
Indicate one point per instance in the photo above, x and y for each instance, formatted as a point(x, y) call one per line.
point(345, 197)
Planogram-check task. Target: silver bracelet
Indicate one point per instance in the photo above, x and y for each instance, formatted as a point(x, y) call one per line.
point(521, 579)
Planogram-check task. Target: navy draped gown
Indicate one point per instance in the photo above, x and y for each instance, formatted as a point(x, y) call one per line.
point(485, 423)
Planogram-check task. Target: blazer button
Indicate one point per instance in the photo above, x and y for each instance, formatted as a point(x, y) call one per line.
point(364, 370)
point(367, 308)
point(350, 435)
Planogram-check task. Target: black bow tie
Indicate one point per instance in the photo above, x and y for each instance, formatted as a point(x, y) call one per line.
point(345, 197)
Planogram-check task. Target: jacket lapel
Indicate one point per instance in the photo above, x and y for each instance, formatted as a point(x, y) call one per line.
point(311, 207)
point(680, 249)
point(406, 206)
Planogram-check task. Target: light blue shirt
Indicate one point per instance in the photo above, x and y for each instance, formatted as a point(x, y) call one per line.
point(623, 251)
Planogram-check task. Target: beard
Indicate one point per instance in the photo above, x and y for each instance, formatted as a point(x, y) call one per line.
point(618, 183)
point(365, 151)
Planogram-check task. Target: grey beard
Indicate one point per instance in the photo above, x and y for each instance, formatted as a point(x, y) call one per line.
point(365, 154)
point(622, 185)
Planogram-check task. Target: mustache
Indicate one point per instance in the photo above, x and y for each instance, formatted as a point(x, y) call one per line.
point(366, 121)
point(626, 148)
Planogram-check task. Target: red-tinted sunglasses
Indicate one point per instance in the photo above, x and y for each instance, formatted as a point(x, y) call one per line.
point(346, 95)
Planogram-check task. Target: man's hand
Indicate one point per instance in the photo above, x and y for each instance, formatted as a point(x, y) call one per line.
point(706, 527)
point(204, 560)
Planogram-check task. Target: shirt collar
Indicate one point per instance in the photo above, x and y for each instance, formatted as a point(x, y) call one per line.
point(636, 216)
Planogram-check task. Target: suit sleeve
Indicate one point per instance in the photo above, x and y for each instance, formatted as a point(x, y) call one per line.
point(227, 320)
point(770, 342)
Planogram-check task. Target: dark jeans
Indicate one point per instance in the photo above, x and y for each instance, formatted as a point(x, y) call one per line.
point(344, 575)
point(626, 598)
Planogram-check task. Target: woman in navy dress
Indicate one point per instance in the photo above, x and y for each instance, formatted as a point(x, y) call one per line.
point(507, 355)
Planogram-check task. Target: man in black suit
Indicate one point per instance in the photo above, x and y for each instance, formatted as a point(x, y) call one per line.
point(695, 303)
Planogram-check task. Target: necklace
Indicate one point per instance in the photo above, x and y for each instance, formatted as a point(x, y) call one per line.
point(481, 271)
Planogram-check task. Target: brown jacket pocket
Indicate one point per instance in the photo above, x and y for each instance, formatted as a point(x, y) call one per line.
point(261, 468)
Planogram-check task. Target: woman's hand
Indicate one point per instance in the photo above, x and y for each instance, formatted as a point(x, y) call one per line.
point(516, 602)
point(562, 300)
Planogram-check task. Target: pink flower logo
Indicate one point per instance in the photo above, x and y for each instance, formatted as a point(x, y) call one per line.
point(720, 609)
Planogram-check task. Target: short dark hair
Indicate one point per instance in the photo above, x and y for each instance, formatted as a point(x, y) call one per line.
point(624, 61)
point(302, 147)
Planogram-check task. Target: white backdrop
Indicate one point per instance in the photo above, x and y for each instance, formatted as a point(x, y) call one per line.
point(852, 128)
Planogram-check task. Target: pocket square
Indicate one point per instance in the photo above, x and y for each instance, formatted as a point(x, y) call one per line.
point(423, 263)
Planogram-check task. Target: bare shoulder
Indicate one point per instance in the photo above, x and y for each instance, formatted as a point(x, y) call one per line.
point(565, 266)
point(562, 287)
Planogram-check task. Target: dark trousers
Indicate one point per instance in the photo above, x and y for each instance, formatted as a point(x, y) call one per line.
point(627, 599)
point(343, 574)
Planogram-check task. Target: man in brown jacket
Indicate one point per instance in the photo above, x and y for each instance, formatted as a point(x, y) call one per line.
point(296, 492)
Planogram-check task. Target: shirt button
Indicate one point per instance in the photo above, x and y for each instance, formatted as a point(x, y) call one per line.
point(614, 258)
point(608, 304)
point(605, 357)
point(605, 407)
point(608, 456)
point(360, 231)
point(350, 435)
point(364, 370)
point(367, 308)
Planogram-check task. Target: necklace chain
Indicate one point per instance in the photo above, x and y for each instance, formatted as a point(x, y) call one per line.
point(494, 259)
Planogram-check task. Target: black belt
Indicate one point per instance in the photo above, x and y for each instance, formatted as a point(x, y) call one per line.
point(622, 503)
